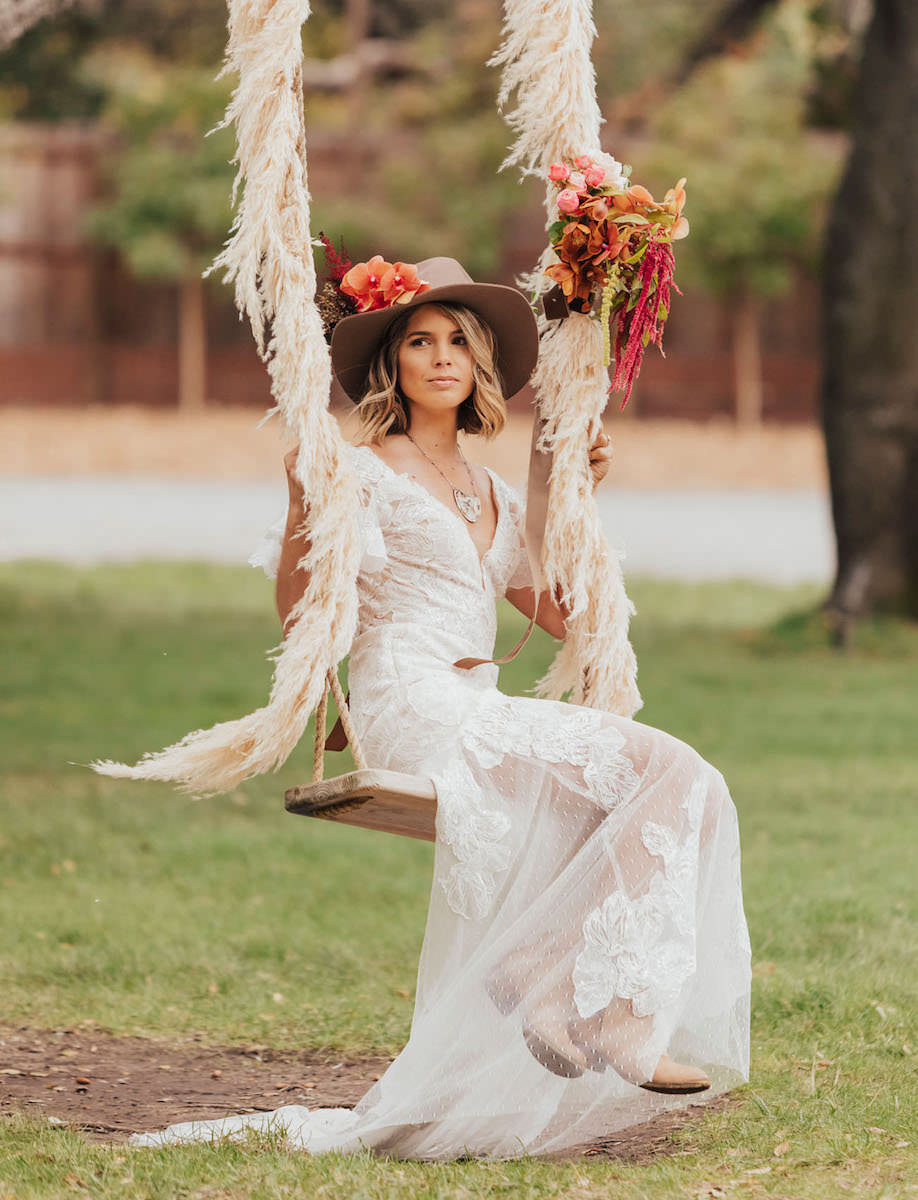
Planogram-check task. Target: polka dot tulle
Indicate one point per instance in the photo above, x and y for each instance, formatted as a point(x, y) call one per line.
point(586, 913)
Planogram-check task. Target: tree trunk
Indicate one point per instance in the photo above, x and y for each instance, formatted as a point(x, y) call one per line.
point(192, 345)
point(358, 30)
point(747, 360)
point(870, 383)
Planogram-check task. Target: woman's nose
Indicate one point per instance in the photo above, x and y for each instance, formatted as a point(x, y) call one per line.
point(442, 353)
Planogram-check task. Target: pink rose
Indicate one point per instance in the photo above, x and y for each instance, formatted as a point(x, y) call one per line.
point(577, 181)
point(558, 172)
point(583, 162)
point(595, 176)
point(568, 201)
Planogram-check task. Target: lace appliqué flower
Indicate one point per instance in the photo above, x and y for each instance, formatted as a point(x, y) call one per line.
point(575, 735)
point(642, 949)
point(475, 835)
point(625, 953)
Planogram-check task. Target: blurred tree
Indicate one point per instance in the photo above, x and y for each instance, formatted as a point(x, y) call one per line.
point(870, 388)
point(758, 181)
point(168, 209)
point(41, 77)
point(870, 308)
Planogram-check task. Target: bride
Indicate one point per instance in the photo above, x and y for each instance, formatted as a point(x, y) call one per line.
point(586, 960)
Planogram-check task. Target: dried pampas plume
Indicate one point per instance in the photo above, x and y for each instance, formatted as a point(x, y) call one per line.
point(269, 259)
point(548, 75)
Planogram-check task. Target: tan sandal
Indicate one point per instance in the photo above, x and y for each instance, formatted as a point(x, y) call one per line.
point(670, 1077)
point(682, 1079)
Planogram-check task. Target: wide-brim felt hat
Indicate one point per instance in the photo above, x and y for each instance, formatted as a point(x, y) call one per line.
point(355, 339)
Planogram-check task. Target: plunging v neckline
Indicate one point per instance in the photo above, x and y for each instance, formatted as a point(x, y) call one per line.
point(495, 496)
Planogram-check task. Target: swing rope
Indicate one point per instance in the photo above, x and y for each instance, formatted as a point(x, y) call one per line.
point(318, 749)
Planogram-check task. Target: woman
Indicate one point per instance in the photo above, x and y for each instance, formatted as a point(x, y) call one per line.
point(586, 960)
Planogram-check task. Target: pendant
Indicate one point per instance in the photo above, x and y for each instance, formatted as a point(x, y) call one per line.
point(469, 506)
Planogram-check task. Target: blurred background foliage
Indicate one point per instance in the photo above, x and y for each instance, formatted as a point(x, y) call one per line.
point(421, 141)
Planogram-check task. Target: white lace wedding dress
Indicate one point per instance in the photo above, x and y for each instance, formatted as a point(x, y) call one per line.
point(581, 857)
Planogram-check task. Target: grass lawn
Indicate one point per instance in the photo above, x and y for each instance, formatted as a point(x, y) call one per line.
point(150, 913)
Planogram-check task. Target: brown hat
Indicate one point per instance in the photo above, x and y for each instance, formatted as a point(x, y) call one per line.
point(356, 338)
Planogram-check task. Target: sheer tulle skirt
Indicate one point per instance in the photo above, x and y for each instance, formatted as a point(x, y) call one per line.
point(587, 867)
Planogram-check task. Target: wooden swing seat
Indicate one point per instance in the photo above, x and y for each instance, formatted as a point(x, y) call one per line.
point(372, 799)
point(368, 797)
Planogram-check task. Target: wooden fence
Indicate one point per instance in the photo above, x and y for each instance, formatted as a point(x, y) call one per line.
point(77, 329)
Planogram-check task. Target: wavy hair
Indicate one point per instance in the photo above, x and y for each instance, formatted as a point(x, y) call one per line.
point(383, 409)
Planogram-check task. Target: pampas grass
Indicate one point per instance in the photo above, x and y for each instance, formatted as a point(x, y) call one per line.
point(548, 78)
point(268, 257)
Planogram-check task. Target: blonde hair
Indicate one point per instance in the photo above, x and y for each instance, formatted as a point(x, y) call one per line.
point(383, 409)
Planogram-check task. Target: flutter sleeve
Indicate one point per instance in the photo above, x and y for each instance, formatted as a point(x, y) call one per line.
point(371, 515)
point(268, 551)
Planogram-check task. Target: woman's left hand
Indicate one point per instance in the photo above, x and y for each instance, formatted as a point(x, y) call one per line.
point(600, 456)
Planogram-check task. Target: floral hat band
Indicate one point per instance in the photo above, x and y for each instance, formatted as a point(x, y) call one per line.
point(377, 283)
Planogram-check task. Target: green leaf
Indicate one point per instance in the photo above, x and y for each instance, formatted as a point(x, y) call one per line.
point(555, 230)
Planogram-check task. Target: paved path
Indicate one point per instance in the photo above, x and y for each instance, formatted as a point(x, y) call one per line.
point(775, 536)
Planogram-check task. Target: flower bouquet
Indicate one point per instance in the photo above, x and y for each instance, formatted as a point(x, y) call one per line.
point(614, 241)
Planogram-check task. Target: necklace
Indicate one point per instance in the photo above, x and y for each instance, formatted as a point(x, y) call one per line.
point(469, 506)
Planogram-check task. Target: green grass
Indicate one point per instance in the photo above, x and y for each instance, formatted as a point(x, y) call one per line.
point(150, 913)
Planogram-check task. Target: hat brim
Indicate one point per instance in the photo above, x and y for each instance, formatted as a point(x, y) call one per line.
point(355, 339)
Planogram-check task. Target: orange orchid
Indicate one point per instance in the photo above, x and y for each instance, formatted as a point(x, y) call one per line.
point(640, 195)
point(379, 284)
point(363, 282)
point(401, 283)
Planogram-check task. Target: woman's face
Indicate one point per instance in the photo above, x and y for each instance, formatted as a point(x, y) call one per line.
point(434, 361)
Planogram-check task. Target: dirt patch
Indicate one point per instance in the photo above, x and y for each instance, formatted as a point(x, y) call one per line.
point(113, 1086)
point(110, 1086)
point(225, 444)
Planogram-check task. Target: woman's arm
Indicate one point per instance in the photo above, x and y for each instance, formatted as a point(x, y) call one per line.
point(550, 616)
point(291, 580)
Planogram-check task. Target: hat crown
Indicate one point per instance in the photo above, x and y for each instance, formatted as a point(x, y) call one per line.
point(443, 272)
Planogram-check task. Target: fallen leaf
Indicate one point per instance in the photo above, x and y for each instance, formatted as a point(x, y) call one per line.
point(781, 1148)
point(219, 1074)
point(758, 1171)
point(875, 1129)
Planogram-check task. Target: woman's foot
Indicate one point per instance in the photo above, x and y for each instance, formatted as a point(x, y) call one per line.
point(546, 1035)
point(610, 1039)
point(676, 1078)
